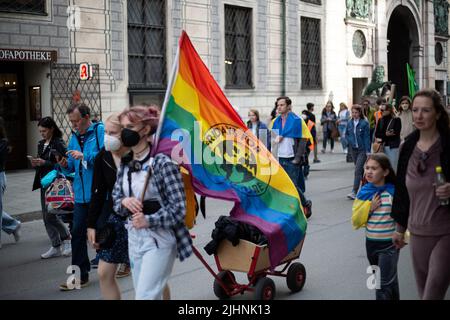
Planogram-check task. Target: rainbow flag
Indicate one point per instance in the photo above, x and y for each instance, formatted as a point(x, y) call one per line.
point(200, 129)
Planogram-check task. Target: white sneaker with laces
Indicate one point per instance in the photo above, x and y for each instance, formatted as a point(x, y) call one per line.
point(67, 248)
point(52, 252)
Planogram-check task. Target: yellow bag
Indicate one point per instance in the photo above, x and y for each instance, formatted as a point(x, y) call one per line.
point(360, 213)
point(191, 199)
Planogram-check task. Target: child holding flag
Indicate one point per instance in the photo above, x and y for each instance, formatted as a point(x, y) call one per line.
point(372, 209)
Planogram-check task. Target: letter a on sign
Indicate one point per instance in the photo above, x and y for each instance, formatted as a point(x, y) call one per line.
point(85, 71)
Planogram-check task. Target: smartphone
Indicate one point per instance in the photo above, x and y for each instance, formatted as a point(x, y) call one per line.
point(30, 157)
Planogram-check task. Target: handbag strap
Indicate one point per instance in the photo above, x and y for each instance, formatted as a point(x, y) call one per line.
point(147, 179)
point(389, 124)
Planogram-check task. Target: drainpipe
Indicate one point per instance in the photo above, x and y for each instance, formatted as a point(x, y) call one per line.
point(283, 47)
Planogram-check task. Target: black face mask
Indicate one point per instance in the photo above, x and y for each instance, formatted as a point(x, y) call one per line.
point(130, 138)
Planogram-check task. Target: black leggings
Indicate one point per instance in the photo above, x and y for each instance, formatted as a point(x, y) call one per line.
point(326, 136)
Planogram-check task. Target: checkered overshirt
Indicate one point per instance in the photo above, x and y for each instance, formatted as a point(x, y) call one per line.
point(168, 180)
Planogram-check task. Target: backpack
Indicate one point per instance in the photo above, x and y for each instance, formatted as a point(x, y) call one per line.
point(59, 196)
point(191, 200)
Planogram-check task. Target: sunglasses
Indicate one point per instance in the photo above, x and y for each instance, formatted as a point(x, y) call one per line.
point(422, 166)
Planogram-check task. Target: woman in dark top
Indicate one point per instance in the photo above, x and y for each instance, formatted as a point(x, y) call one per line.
point(388, 132)
point(51, 144)
point(328, 122)
point(101, 209)
point(258, 128)
point(7, 223)
point(416, 204)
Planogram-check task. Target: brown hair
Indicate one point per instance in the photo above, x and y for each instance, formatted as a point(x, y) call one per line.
point(403, 99)
point(256, 112)
point(443, 123)
point(288, 101)
point(359, 109)
point(385, 164)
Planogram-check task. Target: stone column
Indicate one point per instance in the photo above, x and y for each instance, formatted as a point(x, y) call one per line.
point(381, 57)
point(429, 72)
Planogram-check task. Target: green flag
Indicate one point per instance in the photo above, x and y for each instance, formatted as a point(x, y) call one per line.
point(412, 84)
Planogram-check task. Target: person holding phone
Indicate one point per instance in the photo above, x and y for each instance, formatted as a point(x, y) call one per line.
point(50, 149)
point(388, 132)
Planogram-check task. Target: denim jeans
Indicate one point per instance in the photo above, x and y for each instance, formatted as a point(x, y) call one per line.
point(80, 256)
point(56, 229)
point(359, 158)
point(150, 264)
point(384, 255)
point(293, 171)
point(392, 154)
point(342, 129)
point(7, 223)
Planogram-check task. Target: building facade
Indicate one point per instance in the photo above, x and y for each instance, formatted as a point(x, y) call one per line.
point(257, 50)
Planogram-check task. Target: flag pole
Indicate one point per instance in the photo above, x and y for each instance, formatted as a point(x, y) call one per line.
point(167, 96)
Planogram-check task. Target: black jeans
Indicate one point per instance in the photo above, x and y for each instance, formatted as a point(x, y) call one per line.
point(326, 136)
point(384, 255)
point(80, 256)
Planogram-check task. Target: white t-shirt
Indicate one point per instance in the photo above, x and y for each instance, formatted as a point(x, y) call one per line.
point(165, 238)
point(286, 148)
point(355, 124)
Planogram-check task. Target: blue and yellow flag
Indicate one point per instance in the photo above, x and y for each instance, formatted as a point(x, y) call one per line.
point(295, 127)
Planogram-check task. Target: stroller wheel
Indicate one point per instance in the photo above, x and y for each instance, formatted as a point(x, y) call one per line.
point(296, 277)
point(227, 278)
point(264, 289)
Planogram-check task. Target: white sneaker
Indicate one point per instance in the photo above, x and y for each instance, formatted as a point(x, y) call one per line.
point(67, 248)
point(52, 252)
point(351, 196)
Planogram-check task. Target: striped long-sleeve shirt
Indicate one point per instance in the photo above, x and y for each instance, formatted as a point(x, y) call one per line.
point(380, 225)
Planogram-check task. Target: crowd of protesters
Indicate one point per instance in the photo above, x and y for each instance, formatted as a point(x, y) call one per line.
point(116, 182)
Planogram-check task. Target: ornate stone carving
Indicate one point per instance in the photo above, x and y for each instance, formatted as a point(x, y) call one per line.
point(360, 9)
point(377, 85)
point(441, 17)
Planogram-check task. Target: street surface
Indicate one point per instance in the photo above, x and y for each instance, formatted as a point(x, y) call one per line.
point(333, 254)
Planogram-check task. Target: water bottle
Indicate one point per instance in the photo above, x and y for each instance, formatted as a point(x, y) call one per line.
point(440, 180)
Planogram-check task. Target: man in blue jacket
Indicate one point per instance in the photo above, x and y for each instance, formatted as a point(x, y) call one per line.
point(85, 142)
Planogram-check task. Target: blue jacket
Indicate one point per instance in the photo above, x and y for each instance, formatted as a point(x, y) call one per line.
point(84, 170)
point(362, 134)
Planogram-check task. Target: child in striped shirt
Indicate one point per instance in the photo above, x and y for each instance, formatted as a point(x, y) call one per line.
point(380, 227)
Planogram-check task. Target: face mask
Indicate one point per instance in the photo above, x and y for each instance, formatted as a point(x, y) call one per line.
point(112, 143)
point(130, 138)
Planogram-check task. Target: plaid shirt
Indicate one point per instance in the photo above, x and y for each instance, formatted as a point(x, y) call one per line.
point(168, 181)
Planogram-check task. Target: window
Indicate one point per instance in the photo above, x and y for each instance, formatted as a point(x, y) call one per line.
point(311, 53)
point(438, 53)
point(23, 6)
point(146, 45)
point(238, 46)
point(359, 44)
point(313, 1)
